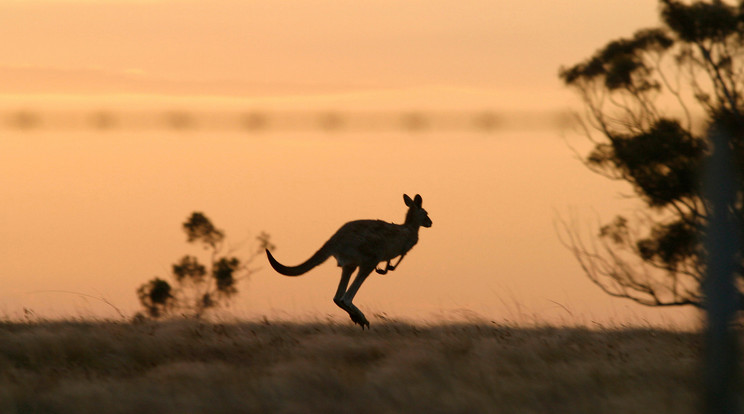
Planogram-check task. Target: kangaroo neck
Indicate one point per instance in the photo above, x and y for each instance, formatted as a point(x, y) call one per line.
point(413, 230)
point(409, 224)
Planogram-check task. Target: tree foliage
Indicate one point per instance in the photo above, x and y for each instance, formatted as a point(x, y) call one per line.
point(156, 297)
point(198, 287)
point(651, 101)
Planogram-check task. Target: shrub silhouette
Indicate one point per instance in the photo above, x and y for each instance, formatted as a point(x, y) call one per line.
point(198, 287)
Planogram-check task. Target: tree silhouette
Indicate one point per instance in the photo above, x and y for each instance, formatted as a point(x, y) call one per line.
point(651, 100)
point(156, 297)
point(199, 287)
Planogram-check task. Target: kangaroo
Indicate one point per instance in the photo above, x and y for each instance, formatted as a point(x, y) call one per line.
point(363, 244)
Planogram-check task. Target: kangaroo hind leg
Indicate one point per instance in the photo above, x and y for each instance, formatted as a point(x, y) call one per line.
point(356, 315)
point(342, 284)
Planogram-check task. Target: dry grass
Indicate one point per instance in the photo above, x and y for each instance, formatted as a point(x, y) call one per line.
point(193, 367)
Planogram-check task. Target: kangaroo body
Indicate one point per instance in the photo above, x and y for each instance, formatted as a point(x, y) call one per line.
point(357, 243)
point(363, 244)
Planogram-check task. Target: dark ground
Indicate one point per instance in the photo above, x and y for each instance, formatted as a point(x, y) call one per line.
point(189, 366)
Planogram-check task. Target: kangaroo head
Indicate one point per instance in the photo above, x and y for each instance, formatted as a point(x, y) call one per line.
point(416, 214)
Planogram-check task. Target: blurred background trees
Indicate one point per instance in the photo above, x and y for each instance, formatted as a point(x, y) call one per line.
point(650, 100)
point(198, 287)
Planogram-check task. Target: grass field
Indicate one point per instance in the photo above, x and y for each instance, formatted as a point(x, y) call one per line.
point(252, 367)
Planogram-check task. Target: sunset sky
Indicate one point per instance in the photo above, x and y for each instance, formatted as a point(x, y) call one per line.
point(300, 47)
point(99, 213)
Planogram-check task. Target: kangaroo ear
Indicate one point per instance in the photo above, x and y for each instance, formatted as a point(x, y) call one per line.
point(407, 200)
point(418, 200)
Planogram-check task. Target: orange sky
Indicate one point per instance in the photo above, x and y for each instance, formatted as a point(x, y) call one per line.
point(99, 213)
point(241, 48)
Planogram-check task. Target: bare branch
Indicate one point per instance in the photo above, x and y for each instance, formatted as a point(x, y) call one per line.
point(609, 271)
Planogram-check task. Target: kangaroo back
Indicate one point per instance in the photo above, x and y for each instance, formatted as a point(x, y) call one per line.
point(319, 257)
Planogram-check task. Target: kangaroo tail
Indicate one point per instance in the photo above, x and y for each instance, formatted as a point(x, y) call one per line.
point(319, 257)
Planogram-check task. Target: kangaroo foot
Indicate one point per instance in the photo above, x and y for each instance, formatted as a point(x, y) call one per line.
point(354, 313)
point(359, 319)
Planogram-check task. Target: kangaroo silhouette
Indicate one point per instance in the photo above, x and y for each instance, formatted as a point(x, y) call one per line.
point(363, 244)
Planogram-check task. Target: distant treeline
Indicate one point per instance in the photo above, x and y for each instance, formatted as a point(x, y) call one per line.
point(256, 121)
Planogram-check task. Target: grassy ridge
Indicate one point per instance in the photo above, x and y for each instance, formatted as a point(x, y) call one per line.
point(194, 367)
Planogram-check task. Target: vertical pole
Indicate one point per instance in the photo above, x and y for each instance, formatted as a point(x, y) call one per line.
point(721, 294)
